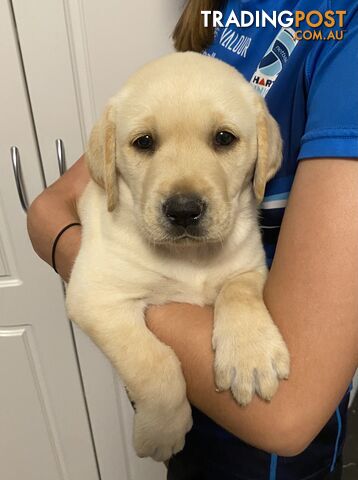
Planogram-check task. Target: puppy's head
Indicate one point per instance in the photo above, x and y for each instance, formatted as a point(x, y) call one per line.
point(191, 140)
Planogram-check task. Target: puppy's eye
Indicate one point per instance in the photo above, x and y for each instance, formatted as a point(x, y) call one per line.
point(145, 142)
point(224, 139)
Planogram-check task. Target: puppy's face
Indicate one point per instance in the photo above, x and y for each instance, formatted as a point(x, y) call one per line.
point(185, 143)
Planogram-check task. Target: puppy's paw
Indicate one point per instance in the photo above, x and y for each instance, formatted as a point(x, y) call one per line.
point(250, 359)
point(160, 432)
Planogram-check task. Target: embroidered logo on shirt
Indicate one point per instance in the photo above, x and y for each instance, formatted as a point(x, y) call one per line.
point(274, 60)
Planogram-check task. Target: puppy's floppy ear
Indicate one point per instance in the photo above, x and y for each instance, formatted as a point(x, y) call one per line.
point(101, 156)
point(269, 149)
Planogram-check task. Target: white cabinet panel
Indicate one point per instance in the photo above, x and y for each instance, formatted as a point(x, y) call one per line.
point(42, 30)
point(44, 428)
point(118, 38)
point(4, 271)
point(26, 420)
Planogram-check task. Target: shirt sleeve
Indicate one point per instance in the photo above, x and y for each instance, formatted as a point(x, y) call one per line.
point(332, 98)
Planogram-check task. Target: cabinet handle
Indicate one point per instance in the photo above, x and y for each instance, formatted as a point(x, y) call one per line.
point(16, 165)
point(61, 157)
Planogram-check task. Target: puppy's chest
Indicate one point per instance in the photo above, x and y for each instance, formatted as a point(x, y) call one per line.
point(141, 273)
point(196, 286)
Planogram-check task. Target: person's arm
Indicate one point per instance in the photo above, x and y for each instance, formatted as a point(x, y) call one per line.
point(52, 210)
point(311, 293)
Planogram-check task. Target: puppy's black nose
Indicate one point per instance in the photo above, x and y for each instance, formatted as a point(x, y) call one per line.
point(184, 210)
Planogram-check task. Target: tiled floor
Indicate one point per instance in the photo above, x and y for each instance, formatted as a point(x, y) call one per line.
point(350, 456)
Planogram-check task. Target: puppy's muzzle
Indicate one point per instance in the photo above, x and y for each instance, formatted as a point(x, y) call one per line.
point(184, 210)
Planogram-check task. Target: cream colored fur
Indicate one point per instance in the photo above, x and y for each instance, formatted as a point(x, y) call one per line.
point(128, 261)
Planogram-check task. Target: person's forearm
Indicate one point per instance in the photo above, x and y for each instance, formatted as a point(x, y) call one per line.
point(284, 426)
point(311, 295)
point(51, 211)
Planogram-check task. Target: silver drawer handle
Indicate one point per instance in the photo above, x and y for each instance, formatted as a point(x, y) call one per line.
point(61, 157)
point(16, 165)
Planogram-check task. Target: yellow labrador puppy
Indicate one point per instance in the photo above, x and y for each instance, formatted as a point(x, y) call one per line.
point(179, 159)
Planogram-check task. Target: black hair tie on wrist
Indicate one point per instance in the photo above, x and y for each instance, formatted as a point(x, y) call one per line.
point(56, 242)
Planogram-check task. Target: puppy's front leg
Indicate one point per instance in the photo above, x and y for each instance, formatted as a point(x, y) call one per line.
point(149, 369)
point(250, 354)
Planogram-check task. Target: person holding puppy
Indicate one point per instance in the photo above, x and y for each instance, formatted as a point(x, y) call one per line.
point(310, 229)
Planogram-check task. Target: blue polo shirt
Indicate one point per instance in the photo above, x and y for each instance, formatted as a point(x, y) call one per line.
point(311, 88)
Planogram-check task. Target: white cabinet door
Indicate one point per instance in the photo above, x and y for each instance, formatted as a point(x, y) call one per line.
point(76, 55)
point(44, 428)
